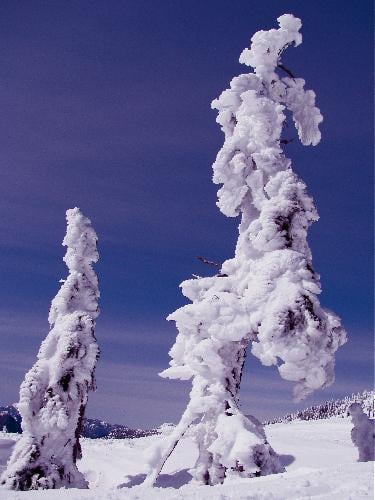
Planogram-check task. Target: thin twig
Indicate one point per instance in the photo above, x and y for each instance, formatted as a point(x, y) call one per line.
point(287, 71)
point(209, 262)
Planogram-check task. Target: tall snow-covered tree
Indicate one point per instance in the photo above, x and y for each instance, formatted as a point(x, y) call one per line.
point(266, 296)
point(54, 393)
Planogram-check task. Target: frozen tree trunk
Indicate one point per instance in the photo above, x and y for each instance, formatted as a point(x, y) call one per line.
point(267, 294)
point(230, 443)
point(208, 468)
point(363, 433)
point(54, 394)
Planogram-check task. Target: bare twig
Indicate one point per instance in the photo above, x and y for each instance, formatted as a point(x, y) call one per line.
point(209, 262)
point(287, 71)
point(286, 141)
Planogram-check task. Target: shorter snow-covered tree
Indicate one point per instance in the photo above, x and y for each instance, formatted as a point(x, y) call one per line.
point(363, 433)
point(54, 393)
point(266, 296)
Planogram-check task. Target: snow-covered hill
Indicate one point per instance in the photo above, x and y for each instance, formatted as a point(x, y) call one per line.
point(320, 462)
point(332, 408)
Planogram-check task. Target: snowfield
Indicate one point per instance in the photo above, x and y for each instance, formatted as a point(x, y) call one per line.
point(319, 457)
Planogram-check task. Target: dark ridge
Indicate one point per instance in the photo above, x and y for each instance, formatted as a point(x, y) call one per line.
point(10, 420)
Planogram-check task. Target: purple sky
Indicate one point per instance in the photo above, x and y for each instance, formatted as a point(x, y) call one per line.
point(106, 105)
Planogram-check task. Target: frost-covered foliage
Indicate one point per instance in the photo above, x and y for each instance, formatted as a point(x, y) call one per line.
point(54, 394)
point(266, 294)
point(332, 408)
point(363, 433)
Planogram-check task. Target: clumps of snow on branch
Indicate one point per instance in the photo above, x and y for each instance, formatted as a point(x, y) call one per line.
point(363, 433)
point(267, 294)
point(54, 393)
point(267, 47)
point(272, 270)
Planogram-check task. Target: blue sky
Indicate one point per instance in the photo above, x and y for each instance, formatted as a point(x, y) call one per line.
point(106, 106)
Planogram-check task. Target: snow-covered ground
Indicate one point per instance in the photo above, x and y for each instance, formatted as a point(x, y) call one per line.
point(319, 458)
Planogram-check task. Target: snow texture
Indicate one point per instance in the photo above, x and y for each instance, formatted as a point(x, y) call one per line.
point(267, 294)
point(363, 433)
point(319, 458)
point(54, 393)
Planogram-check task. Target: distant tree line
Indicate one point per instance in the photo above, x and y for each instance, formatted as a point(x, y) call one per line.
point(332, 408)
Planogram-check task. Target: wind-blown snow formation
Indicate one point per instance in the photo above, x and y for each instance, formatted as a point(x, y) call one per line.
point(363, 433)
point(266, 294)
point(54, 394)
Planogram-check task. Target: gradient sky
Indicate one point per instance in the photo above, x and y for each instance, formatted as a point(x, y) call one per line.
point(105, 105)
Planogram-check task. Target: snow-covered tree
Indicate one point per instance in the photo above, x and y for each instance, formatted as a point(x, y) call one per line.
point(267, 294)
point(54, 393)
point(363, 433)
